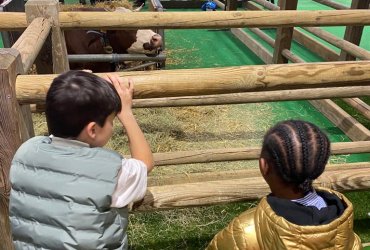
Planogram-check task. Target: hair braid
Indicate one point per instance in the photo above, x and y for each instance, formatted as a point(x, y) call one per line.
point(324, 152)
point(289, 152)
point(299, 151)
point(304, 147)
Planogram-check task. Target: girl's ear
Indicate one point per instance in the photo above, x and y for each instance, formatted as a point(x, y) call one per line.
point(264, 167)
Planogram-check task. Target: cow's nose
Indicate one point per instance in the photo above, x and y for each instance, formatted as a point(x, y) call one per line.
point(156, 40)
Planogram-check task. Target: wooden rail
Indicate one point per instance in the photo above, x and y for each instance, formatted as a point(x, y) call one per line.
point(250, 187)
point(342, 119)
point(182, 178)
point(359, 105)
point(348, 47)
point(253, 97)
point(32, 40)
point(192, 20)
point(188, 82)
point(247, 153)
point(310, 43)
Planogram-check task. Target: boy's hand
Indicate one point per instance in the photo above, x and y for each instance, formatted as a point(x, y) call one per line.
point(139, 147)
point(124, 90)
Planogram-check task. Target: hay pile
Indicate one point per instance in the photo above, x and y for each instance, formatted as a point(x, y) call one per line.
point(107, 5)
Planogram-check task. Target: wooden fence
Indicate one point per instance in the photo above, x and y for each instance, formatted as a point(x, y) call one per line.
point(43, 22)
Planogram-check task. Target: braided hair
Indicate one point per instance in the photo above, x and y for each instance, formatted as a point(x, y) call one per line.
point(298, 150)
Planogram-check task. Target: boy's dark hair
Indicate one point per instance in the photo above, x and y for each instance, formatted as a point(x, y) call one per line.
point(76, 98)
point(299, 151)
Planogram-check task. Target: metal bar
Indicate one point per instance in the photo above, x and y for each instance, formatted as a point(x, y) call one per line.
point(139, 66)
point(115, 58)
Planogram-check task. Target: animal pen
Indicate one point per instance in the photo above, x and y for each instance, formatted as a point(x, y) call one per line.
point(341, 77)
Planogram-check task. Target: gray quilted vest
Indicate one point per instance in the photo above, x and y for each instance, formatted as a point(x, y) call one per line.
point(61, 196)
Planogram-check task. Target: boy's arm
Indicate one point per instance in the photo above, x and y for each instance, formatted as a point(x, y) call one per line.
point(139, 146)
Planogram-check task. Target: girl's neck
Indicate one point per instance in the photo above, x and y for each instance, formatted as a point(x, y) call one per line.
point(287, 192)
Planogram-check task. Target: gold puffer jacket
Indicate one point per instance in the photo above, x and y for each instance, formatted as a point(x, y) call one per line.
point(261, 228)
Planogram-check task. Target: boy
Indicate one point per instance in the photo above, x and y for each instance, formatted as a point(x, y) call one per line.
point(67, 191)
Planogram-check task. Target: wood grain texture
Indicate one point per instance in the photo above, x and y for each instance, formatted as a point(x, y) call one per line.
point(353, 34)
point(10, 21)
point(352, 128)
point(263, 36)
point(55, 45)
point(192, 20)
point(10, 66)
point(310, 43)
point(31, 41)
point(316, 47)
point(253, 97)
point(267, 4)
point(349, 125)
point(362, 107)
point(212, 19)
point(246, 153)
point(253, 45)
point(284, 35)
point(182, 178)
point(247, 97)
point(348, 47)
point(192, 82)
point(245, 188)
point(231, 5)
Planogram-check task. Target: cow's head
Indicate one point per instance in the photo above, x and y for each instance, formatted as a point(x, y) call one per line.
point(136, 41)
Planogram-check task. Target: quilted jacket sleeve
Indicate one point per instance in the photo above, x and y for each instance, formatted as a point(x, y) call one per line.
point(239, 234)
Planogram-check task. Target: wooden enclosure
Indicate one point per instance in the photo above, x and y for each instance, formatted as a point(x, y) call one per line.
point(345, 78)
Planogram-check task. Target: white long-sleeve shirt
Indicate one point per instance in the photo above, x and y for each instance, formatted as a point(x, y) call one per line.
point(131, 183)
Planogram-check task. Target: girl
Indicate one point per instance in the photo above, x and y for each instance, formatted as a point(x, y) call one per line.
point(295, 215)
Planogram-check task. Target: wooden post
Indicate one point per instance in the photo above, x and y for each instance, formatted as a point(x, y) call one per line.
point(57, 47)
point(310, 43)
point(10, 139)
point(332, 4)
point(29, 45)
point(284, 35)
point(353, 34)
point(231, 5)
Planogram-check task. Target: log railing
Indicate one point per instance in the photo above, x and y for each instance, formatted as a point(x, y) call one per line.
point(32, 40)
point(188, 82)
point(192, 20)
point(216, 188)
point(253, 97)
point(247, 153)
point(348, 124)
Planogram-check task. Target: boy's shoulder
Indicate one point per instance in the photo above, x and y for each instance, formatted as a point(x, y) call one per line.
point(56, 145)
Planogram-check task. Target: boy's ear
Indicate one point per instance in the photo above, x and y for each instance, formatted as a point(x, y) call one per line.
point(264, 166)
point(90, 130)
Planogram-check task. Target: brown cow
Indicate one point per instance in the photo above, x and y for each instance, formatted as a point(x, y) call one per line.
point(120, 41)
